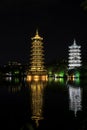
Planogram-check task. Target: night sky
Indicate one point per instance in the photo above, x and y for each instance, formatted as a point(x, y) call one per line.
point(58, 22)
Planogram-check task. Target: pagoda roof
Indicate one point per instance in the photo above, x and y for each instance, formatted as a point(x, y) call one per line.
point(37, 37)
point(74, 45)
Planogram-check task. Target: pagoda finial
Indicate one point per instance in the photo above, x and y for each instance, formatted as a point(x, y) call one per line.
point(37, 36)
point(37, 31)
point(74, 41)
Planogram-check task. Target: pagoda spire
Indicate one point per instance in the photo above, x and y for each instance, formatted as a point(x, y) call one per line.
point(37, 37)
point(74, 41)
point(37, 32)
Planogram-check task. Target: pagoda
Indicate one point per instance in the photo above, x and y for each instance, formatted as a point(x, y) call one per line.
point(37, 69)
point(74, 56)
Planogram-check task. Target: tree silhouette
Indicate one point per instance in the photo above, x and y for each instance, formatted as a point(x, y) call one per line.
point(84, 5)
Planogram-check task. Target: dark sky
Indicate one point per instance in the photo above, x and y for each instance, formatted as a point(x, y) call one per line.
point(58, 22)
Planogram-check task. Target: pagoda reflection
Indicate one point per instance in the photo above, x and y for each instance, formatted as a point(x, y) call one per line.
point(75, 97)
point(37, 89)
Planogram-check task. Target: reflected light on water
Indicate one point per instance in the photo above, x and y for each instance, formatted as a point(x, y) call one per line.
point(61, 80)
point(37, 77)
point(14, 89)
point(75, 97)
point(14, 84)
point(8, 78)
point(37, 89)
point(56, 80)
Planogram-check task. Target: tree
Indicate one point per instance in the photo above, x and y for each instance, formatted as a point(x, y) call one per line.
point(84, 5)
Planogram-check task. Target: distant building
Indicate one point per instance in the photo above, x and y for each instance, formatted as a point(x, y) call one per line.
point(74, 56)
point(14, 63)
point(13, 68)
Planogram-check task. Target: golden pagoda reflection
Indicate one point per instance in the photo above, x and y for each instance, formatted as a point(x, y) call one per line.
point(37, 89)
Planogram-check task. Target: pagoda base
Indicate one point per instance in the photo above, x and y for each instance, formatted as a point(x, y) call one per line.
point(37, 77)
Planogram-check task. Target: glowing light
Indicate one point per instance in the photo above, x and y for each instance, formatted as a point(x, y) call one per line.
point(50, 72)
point(77, 80)
point(61, 74)
point(72, 77)
point(60, 80)
point(77, 74)
point(8, 78)
point(50, 79)
point(16, 80)
point(29, 78)
point(16, 72)
point(44, 77)
point(36, 77)
point(55, 75)
point(74, 56)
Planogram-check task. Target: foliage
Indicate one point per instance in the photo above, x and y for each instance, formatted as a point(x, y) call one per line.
point(84, 5)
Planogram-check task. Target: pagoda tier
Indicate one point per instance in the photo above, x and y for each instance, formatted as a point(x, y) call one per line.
point(74, 56)
point(37, 56)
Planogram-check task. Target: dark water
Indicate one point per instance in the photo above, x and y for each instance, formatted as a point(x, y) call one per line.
point(56, 104)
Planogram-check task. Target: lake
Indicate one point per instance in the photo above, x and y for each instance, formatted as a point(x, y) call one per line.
point(38, 105)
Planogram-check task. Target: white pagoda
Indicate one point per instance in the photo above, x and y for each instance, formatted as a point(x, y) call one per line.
point(74, 56)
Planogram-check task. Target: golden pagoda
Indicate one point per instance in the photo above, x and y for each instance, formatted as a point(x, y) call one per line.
point(37, 69)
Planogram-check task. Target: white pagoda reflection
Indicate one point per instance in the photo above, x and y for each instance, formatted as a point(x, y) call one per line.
point(75, 98)
point(37, 89)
